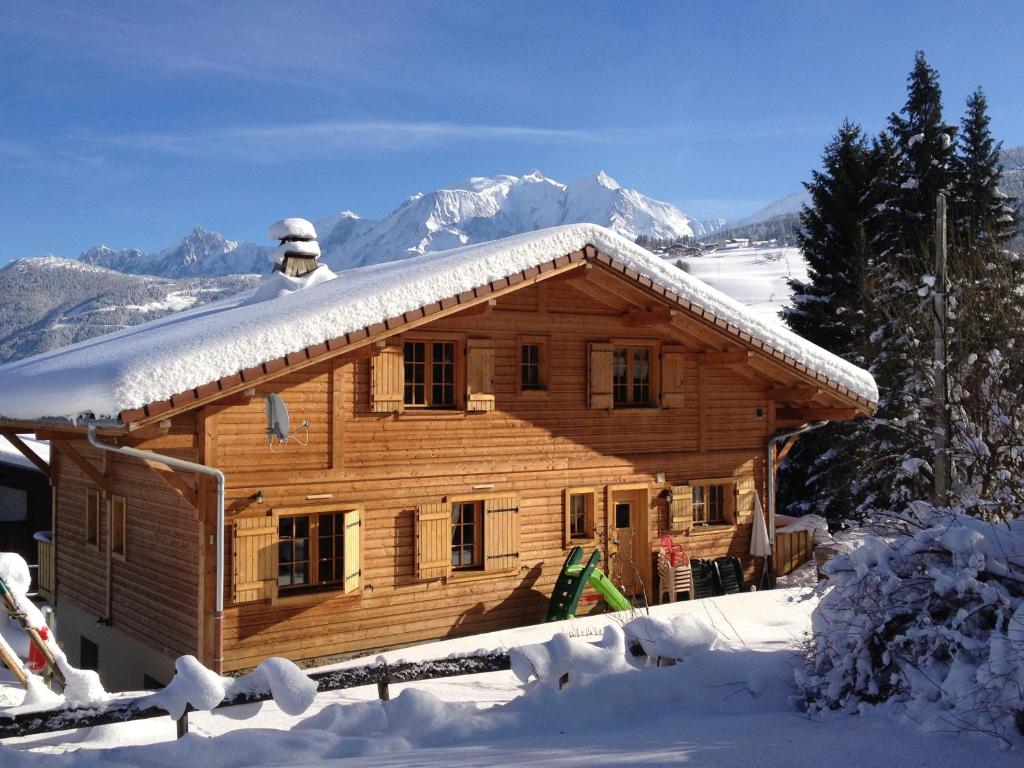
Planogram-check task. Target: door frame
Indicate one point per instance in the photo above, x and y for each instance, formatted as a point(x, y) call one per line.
point(640, 523)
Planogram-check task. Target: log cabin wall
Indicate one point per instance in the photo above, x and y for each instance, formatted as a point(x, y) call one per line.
point(150, 592)
point(533, 445)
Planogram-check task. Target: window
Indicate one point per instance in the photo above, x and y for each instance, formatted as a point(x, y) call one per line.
point(463, 534)
point(529, 367)
point(88, 654)
point(579, 515)
point(429, 374)
point(467, 531)
point(118, 526)
point(708, 504)
point(311, 550)
point(13, 505)
point(533, 364)
point(92, 518)
point(631, 376)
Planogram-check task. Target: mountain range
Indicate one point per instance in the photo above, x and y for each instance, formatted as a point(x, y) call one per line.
point(51, 301)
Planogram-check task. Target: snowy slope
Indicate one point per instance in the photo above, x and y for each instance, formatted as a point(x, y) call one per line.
point(49, 302)
point(731, 704)
point(791, 203)
point(755, 277)
point(158, 359)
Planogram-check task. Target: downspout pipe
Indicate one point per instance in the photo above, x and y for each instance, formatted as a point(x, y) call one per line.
point(187, 466)
point(772, 443)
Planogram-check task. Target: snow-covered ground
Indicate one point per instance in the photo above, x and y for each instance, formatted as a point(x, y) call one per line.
point(730, 702)
point(755, 277)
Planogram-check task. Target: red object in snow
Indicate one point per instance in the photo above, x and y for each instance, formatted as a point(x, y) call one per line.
point(36, 660)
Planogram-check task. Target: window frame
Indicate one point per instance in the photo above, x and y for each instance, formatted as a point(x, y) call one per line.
point(631, 400)
point(314, 585)
point(477, 563)
point(728, 501)
point(92, 518)
point(458, 372)
point(543, 366)
point(589, 493)
point(118, 527)
point(654, 347)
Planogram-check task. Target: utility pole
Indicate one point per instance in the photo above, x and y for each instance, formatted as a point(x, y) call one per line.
point(940, 490)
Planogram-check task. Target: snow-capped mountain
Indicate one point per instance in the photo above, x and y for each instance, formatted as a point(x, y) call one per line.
point(477, 209)
point(200, 253)
point(54, 305)
point(486, 208)
point(791, 203)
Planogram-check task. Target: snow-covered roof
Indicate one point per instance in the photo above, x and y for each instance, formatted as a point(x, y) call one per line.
point(151, 362)
point(11, 455)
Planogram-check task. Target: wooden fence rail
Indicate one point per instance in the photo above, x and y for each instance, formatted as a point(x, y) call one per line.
point(125, 710)
point(792, 550)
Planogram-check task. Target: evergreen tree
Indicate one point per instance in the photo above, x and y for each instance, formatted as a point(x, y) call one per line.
point(829, 309)
point(983, 214)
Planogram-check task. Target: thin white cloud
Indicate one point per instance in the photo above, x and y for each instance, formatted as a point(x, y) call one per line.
point(268, 143)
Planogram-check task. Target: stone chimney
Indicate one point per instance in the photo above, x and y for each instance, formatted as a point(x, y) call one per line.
point(298, 253)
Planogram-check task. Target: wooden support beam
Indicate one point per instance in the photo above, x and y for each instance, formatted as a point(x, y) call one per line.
point(816, 414)
point(28, 453)
point(102, 481)
point(174, 480)
point(784, 452)
point(648, 317)
point(702, 410)
point(792, 393)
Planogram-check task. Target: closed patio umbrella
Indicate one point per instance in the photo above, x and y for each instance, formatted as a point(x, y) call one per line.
point(760, 546)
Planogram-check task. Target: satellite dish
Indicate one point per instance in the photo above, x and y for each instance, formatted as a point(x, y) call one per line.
point(277, 419)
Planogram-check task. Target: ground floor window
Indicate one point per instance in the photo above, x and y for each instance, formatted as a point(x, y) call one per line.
point(709, 504)
point(311, 550)
point(467, 534)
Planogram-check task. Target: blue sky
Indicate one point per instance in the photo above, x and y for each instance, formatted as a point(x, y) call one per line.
point(129, 123)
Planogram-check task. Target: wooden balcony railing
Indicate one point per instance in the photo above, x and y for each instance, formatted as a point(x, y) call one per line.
point(46, 575)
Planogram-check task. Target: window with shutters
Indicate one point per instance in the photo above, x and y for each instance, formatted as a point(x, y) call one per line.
point(713, 502)
point(631, 376)
point(467, 534)
point(430, 374)
point(311, 551)
point(579, 515)
point(295, 551)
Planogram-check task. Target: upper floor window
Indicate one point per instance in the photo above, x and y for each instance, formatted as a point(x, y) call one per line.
point(529, 367)
point(311, 550)
point(631, 376)
point(467, 534)
point(429, 374)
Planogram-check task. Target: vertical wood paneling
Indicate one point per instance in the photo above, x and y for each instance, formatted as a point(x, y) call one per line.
point(433, 541)
point(388, 385)
point(599, 376)
point(501, 534)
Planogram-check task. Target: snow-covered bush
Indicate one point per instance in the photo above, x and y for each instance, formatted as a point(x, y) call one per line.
point(929, 617)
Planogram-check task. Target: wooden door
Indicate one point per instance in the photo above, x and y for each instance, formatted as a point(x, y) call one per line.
point(629, 558)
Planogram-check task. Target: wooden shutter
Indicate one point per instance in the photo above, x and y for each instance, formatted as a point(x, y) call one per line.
point(681, 512)
point(118, 525)
point(744, 505)
point(672, 367)
point(600, 376)
point(433, 541)
point(353, 564)
point(479, 375)
point(501, 534)
point(254, 549)
point(387, 388)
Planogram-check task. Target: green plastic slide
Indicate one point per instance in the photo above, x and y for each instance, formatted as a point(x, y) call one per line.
point(571, 582)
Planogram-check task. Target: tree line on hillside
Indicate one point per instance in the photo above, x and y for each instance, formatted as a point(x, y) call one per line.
point(929, 614)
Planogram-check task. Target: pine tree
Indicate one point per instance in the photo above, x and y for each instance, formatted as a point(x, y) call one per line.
point(983, 214)
point(829, 309)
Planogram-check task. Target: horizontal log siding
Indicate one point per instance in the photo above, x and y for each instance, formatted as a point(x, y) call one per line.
point(155, 588)
point(530, 446)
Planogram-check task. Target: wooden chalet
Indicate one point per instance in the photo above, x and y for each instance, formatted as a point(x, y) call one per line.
point(454, 451)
